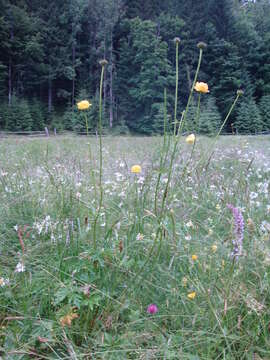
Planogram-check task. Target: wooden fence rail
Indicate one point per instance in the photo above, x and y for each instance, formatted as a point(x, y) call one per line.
point(46, 133)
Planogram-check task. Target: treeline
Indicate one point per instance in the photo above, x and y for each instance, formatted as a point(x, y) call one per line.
point(50, 52)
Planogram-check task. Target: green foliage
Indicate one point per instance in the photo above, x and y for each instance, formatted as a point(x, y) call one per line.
point(17, 116)
point(51, 52)
point(210, 119)
point(144, 59)
point(264, 107)
point(248, 118)
point(36, 108)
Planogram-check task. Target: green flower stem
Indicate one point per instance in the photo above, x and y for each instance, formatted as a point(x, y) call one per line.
point(198, 112)
point(176, 87)
point(165, 194)
point(86, 123)
point(228, 115)
point(90, 157)
point(163, 151)
point(100, 159)
point(176, 141)
point(211, 150)
point(189, 160)
point(191, 93)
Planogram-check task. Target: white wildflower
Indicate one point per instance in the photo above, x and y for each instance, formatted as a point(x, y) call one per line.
point(19, 267)
point(253, 195)
point(78, 195)
point(139, 237)
point(189, 224)
point(3, 282)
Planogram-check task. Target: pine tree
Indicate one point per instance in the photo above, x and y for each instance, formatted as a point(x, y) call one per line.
point(37, 114)
point(264, 107)
point(248, 118)
point(24, 120)
point(210, 119)
point(145, 72)
point(190, 124)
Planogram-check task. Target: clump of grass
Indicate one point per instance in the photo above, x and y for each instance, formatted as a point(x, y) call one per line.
point(146, 272)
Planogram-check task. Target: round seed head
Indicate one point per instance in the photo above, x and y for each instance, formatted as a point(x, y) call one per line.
point(177, 40)
point(240, 92)
point(202, 45)
point(103, 62)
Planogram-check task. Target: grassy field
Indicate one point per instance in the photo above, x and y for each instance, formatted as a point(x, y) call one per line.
point(78, 282)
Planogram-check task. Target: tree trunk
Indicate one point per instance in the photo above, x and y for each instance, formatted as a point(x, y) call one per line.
point(188, 76)
point(111, 83)
point(104, 82)
point(50, 96)
point(9, 82)
point(73, 79)
point(10, 61)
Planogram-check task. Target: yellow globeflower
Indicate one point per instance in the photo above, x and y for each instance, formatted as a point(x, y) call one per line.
point(83, 105)
point(201, 87)
point(194, 257)
point(136, 169)
point(192, 295)
point(190, 139)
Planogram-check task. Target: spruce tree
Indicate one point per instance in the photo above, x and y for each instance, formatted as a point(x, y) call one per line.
point(210, 119)
point(248, 118)
point(37, 114)
point(24, 118)
point(264, 107)
point(145, 60)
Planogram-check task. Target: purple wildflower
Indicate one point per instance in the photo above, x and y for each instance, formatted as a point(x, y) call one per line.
point(152, 309)
point(238, 230)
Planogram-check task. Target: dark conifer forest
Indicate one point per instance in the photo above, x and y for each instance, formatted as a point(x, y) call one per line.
point(50, 52)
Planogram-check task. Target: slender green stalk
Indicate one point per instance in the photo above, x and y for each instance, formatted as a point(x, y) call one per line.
point(90, 157)
point(190, 95)
point(165, 194)
point(176, 141)
point(198, 113)
point(86, 124)
point(189, 160)
point(176, 86)
point(228, 115)
point(211, 150)
point(163, 151)
point(100, 158)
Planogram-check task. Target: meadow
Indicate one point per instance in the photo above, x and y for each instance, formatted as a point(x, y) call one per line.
point(155, 272)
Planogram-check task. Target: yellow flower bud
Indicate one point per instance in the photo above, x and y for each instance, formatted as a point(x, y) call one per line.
point(201, 87)
point(194, 257)
point(190, 139)
point(136, 169)
point(83, 105)
point(214, 248)
point(192, 295)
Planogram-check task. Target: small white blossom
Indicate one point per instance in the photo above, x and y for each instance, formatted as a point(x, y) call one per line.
point(78, 195)
point(3, 282)
point(139, 237)
point(19, 267)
